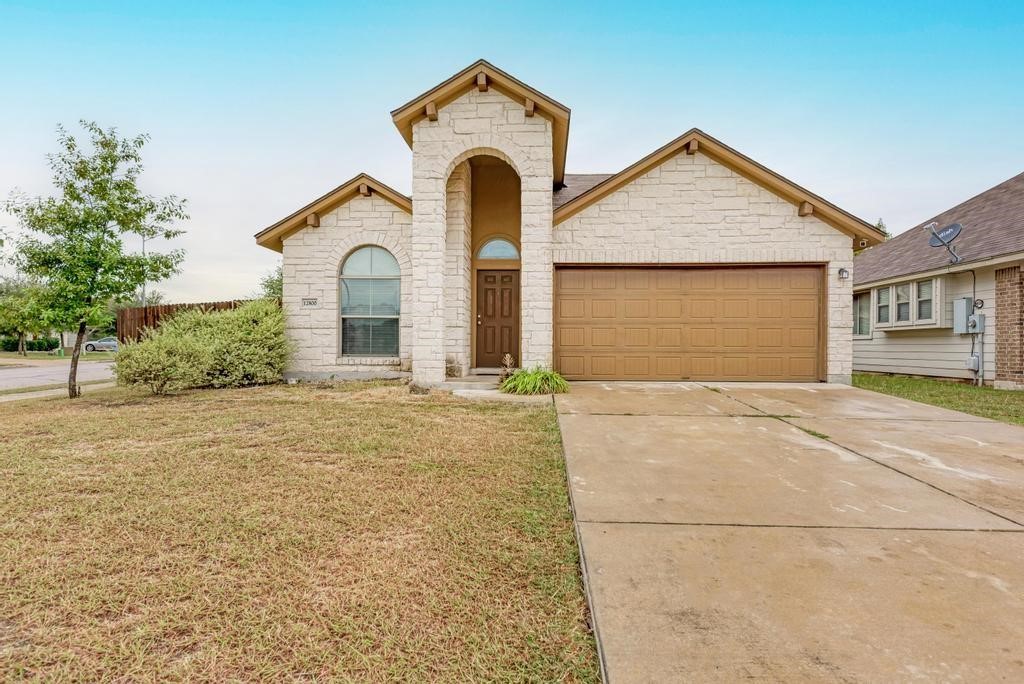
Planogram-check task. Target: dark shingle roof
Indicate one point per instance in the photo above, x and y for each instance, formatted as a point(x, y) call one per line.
point(575, 185)
point(993, 225)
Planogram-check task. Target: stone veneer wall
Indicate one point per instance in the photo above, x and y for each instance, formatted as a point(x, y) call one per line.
point(1009, 328)
point(312, 265)
point(479, 123)
point(458, 268)
point(693, 210)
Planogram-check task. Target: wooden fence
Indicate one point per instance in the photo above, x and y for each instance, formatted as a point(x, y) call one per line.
point(132, 321)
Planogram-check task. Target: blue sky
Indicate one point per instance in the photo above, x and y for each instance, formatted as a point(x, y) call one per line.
point(893, 110)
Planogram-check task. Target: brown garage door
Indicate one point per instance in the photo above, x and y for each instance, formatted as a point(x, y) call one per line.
point(743, 323)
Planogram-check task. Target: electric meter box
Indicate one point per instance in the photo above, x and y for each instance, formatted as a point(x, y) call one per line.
point(963, 308)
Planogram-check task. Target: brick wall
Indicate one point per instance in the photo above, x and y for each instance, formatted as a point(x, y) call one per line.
point(692, 209)
point(1010, 328)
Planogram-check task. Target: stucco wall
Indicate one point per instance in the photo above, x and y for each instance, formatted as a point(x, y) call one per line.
point(693, 210)
point(479, 123)
point(312, 263)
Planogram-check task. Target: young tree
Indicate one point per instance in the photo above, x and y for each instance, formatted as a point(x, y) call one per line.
point(880, 226)
point(76, 238)
point(23, 310)
point(272, 284)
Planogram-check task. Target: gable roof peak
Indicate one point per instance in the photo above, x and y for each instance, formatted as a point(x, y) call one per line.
point(363, 184)
point(416, 109)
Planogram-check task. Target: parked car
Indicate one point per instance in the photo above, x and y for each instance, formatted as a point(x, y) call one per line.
point(102, 344)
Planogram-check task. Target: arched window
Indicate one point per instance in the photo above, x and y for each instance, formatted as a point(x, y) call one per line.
point(369, 303)
point(498, 248)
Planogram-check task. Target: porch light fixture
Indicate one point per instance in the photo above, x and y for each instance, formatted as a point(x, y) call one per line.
point(844, 274)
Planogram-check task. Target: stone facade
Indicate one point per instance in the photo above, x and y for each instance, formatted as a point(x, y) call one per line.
point(458, 270)
point(312, 265)
point(1009, 328)
point(693, 210)
point(476, 123)
point(688, 210)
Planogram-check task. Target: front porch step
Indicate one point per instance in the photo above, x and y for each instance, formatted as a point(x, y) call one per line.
point(484, 371)
point(471, 382)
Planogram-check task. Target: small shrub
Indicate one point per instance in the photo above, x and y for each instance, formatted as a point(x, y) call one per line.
point(42, 344)
point(508, 367)
point(535, 381)
point(197, 348)
point(163, 363)
point(9, 344)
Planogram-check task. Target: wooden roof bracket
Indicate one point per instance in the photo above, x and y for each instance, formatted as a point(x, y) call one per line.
point(431, 111)
point(530, 106)
point(364, 190)
point(481, 82)
point(805, 209)
point(691, 146)
point(313, 220)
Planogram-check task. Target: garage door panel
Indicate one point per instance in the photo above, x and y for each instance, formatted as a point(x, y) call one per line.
point(603, 337)
point(730, 323)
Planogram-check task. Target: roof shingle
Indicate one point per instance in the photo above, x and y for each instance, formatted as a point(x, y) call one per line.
point(993, 225)
point(576, 184)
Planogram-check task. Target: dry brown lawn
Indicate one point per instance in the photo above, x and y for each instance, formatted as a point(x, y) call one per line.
point(354, 532)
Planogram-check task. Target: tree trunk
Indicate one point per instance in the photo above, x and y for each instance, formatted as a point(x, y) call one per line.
point(21, 344)
point(73, 389)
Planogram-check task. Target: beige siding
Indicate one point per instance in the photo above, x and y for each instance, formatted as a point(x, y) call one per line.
point(934, 352)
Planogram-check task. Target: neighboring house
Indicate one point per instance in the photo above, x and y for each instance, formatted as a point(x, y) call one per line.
point(905, 292)
point(694, 263)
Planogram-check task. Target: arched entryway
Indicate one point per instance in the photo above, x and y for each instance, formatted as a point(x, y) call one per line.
point(482, 285)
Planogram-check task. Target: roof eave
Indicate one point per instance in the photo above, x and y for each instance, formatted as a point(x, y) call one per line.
point(741, 164)
point(413, 111)
point(272, 237)
point(961, 267)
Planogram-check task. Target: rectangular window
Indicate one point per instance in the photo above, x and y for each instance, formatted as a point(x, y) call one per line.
point(903, 303)
point(883, 305)
point(862, 313)
point(924, 300)
point(369, 337)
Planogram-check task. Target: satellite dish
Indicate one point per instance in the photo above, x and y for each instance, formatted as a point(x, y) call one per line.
point(942, 238)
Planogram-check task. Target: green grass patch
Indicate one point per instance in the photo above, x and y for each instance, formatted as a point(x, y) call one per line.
point(1003, 405)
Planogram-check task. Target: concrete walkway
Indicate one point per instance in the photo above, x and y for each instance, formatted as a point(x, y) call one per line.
point(795, 533)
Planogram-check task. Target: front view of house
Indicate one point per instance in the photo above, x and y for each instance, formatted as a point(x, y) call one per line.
point(695, 263)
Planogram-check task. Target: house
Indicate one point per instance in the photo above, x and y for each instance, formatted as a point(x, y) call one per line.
point(908, 296)
point(693, 263)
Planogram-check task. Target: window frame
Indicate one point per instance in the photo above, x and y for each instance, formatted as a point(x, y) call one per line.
point(498, 238)
point(861, 335)
point(918, 299)
point(914, 320)
point(397, 316)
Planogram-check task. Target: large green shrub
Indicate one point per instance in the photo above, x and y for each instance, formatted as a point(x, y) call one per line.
point(196, 348)
point(163, 363)
point(534, 381)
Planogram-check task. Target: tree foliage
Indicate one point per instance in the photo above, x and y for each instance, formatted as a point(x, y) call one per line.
point(272, 284)
point(23, 309)
point(75, 240)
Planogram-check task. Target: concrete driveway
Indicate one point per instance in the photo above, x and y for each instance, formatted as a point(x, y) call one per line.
point(37, 372)
point(796, 532)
